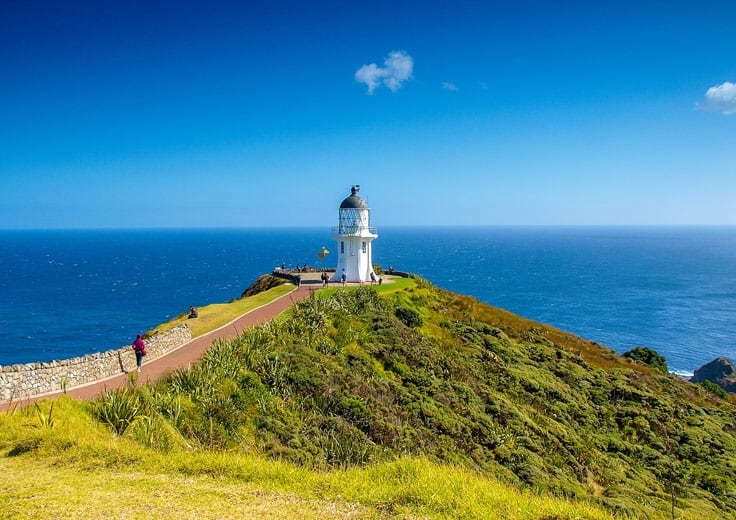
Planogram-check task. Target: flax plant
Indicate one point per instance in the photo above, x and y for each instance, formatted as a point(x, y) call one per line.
point(117, 409)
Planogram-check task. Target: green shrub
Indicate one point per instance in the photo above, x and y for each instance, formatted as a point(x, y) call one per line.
point(408, 317)
point(154, 432)
point(45, 419)
point(713, 388)
point(649, 357)
point(716, 484)
point(117, 408)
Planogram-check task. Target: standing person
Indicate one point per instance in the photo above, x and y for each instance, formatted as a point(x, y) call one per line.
point(343, 277)
point(298, 280)
point(140, 350)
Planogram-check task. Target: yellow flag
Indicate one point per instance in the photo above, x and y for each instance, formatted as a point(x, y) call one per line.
point(324, 250)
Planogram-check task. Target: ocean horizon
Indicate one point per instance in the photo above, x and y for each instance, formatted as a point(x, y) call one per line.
point(72, 292)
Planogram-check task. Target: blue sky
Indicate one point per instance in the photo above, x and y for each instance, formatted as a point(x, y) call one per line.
point(217, 114)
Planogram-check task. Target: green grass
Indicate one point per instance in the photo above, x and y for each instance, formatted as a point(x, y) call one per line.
point(216, 315)
point(80, 469)
point(398, 285)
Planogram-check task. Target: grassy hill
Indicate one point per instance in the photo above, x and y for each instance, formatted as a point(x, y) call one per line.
point(398, 401)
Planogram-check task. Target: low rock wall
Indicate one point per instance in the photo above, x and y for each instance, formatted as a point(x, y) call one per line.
point(33, 379)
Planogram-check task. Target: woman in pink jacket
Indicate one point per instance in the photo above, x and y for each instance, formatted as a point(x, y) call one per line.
point(140, 350)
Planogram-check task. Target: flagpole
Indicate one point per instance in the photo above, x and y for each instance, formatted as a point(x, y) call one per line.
point(322, 255)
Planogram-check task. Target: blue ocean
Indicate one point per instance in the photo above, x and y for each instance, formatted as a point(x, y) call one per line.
point(68, 293)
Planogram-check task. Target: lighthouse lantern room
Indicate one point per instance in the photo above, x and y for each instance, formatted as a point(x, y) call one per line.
point(354, 235)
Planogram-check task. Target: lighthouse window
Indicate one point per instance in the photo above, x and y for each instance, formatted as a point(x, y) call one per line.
point(365, 248)
point(342, 248)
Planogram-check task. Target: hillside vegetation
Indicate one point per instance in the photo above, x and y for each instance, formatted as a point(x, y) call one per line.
point(403, 401)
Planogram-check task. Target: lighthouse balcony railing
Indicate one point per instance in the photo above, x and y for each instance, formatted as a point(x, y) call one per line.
point(338, 231)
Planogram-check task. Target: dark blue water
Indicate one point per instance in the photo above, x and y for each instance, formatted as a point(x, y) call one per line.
point(67, 293)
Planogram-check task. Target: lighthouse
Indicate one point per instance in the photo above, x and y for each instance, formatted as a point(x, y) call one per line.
point(354, 235)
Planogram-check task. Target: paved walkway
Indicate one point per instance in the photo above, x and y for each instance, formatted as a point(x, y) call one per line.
point(191, 352)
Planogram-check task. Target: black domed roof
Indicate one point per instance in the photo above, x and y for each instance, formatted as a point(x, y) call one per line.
point(353, 201)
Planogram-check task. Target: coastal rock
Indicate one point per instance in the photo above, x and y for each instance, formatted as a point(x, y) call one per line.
point(720, 371)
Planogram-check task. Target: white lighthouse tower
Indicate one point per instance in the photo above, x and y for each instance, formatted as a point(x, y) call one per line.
point(354, 236)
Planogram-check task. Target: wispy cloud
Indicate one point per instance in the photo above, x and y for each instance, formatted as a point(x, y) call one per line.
point(449, 86)
point(397, 68)
point(721, 98)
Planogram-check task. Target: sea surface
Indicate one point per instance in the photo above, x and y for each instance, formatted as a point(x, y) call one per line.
point(69, 293)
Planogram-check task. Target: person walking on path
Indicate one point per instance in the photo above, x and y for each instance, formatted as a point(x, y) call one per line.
point(139, 347)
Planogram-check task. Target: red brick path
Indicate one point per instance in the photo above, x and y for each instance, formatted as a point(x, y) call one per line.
point(190, 352)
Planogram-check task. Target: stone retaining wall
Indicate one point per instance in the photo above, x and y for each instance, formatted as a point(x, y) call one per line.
point(32, 379)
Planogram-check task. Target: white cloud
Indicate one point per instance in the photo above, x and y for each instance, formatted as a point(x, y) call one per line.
point(449, 86)
point(370, 75)
point(721, 98)
point(398, 67)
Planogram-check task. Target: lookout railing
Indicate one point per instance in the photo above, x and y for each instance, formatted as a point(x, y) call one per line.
point(343, 230)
